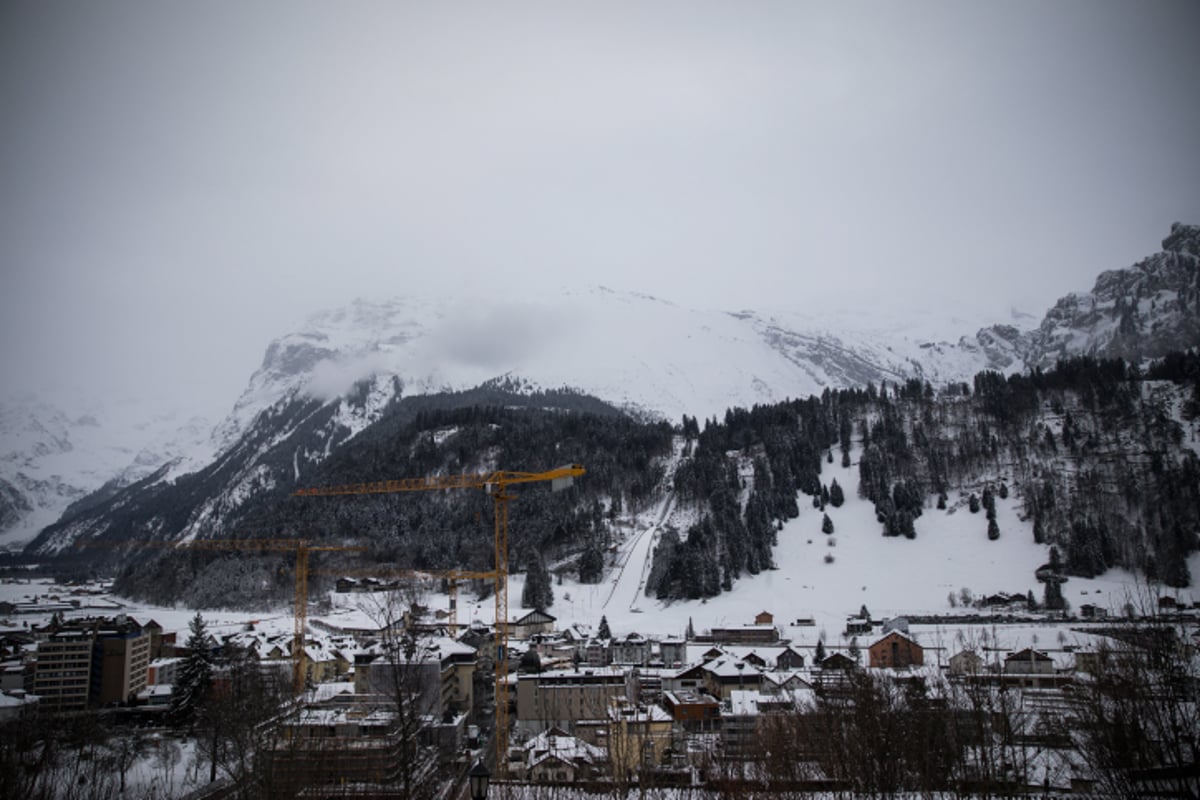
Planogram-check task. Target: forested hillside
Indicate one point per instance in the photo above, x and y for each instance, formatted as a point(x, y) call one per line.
point(1103, 457)
point(434, 530)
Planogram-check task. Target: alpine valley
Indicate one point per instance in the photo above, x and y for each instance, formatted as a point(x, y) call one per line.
point(731, 420)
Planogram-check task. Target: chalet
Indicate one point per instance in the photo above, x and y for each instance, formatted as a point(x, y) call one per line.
point(755, 659)
point(967, 662)
point(764, 618)
point(1090, 611)
point(725, 675)
point(536, 621)
point(638, 735)
point(789, 659)
point(555, 756)
point(687, 679)
point(857, 625)
point(597, 653)
point(1087, 661)
point(787, 683)
point(634, 650)
point(839, 662)
point(693, 710)
point(1028, 662)
point(896, 650)
point(673, 652)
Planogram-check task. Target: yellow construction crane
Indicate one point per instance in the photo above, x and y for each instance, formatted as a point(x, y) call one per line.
point(496, 484)
point(301, 547)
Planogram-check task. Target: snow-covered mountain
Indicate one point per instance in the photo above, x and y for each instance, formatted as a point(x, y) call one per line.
point(636, 351)
point(53, 455)
point(1144, 311)
point(339, 373)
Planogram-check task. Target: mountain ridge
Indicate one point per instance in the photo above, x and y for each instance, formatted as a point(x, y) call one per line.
point(654, 357)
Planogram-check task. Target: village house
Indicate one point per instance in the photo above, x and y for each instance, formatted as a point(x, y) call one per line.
point(536, 621)
point(727, 674)
point(791, 682)
point(638, 735)
point(597, 653)
point(633, 650)
point(555, 756)
point(838, 662)
point(895, 650)
point(673, 652)
point(695, 711)
point(1028, 662)
point(966, 662)
point(789, 659)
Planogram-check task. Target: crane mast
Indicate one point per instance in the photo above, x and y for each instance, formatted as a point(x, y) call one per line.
point(496, 484)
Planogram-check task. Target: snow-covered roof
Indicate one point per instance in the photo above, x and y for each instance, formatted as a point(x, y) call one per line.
point(731, 667)
point(556, 743)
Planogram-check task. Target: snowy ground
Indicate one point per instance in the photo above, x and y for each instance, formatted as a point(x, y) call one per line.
point(891, 576)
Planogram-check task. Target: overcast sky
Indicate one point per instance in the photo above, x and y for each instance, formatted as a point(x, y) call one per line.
point(182, 182)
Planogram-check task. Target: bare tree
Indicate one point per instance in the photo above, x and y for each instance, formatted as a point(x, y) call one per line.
point(239, 717)
point(407, 677)
point(1139, 708)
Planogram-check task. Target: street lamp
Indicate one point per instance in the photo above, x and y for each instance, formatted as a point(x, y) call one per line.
point(478, 778)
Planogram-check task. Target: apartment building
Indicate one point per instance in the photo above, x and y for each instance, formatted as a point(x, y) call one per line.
point(564, 697)
point(96, 661)
point(63, 675)
point(120, 663)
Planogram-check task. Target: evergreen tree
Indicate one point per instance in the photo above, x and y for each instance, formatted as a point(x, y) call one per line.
point(836, 495)
point(1053, 598)
point(826, 496)
point(538, 591)
point(820, 655)
point(606, 633)
point(591, 563)
point(853, 650)
point(993, 529)
point(195, 674)
point(973, 503)
point(826, 524)
point(690, 633)
point(845, 459)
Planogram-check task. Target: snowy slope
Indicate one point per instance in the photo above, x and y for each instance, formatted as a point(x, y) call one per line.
point(890, 575)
